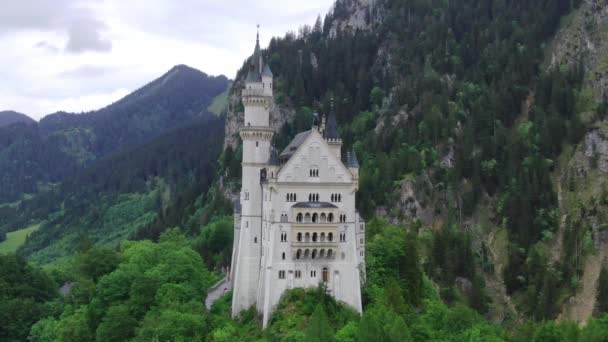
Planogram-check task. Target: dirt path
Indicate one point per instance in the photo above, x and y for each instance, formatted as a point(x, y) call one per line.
point(580, 307)
point(503, 307)
point(556, 250)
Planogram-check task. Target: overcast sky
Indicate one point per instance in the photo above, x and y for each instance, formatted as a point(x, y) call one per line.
point(80, 55)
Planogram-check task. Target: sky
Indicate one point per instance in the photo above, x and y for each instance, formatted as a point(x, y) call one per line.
point(81, 55)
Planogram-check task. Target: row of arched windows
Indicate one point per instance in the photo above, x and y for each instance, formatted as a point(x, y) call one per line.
point(313, 197)
point(291, 197)
point(336, 197)
point(315, 237)
point(313, 172)
point(315, 254)
point(315, 218)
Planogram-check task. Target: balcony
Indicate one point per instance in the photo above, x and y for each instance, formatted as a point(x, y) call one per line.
point(318, 244)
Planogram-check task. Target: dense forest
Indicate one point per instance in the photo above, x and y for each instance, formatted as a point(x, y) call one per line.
point(482, 182)
point(455, 104)
point(35, 156)
point(148, 291)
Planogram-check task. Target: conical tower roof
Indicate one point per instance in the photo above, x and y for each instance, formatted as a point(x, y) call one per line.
point(331, 127)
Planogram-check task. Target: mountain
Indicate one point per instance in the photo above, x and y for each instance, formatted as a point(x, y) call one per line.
point(136, 192)
point(481, 130)
point(483, 124)
point(10, 117)
point(34, 156)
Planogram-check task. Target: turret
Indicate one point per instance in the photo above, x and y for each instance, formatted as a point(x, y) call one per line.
point(331, 134)
point(352, 163)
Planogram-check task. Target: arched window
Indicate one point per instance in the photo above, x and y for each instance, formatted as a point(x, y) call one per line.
point(307, 218)
point(339, 197)
point(314, 237)
point(306, 253)
point(330, 237)
point(283, 255)
point(298, 254)
point(323, 218)
point(321, 254)
point(330, 254)
point(255, 239)
point(287, 197)
point(307, 237)
point(299, 237)
point(322, 237)
point(330, 218)
point(315, 218)
point(314, 253)
point(299, 217)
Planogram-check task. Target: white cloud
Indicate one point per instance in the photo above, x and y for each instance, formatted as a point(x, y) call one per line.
point(78, 55)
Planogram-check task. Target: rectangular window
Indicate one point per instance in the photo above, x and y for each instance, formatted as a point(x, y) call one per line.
point(281, 274)
point(298, 274)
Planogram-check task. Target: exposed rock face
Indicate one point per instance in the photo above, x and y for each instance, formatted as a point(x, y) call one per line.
point(583, 39)
point(279, 115)
point(596, 149)
point(355, 15)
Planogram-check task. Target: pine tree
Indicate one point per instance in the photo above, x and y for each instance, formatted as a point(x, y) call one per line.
point(319, 329)
point(602, 292)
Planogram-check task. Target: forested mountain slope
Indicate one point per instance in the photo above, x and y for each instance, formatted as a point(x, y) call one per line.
point(136, 193)
point(463, 115)
point(62, 143)
point(481, 131)
point(10, 117)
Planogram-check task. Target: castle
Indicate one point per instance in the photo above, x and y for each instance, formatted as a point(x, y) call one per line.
point(296, 223)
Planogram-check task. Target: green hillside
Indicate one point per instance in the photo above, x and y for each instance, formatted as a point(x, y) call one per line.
point(15, 239)
point(481, 131)
point(61, 144)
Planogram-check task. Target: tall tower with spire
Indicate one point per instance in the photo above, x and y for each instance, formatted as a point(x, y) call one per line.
point(256, 134)
point(295, 225)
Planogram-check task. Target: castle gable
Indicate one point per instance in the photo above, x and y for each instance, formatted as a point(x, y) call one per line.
point(314, 155)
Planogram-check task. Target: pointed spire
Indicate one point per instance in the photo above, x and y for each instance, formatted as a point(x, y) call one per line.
point(351, 159)
point(331, 127)
point(255, 66)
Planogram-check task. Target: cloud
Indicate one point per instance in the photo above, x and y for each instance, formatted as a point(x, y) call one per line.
point(74, 18)
point(87, 71)
point(47, 46)
point(78, 55)
point(85, 35)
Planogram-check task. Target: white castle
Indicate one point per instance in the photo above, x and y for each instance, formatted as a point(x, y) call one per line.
point(296, 223)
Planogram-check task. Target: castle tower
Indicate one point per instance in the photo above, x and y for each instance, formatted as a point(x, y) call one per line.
point(295, 224)
point(256, 134)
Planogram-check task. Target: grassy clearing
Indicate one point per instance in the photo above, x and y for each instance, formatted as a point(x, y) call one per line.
point(16, 239)
point(219, 103)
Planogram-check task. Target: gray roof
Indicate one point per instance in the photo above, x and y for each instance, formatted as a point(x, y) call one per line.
point(331, 128)
point(313, 205)
point(267, 71)
point(255, 64)
point(274, 157)
point(294, 144)
point(237, 206)
point(253, 75)
point(351, 160)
